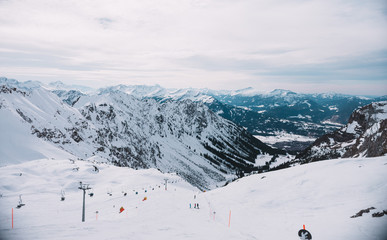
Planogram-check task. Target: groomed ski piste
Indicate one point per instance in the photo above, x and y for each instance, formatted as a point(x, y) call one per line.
point(275, 205)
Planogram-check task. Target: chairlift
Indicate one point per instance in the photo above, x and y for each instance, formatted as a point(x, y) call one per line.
point(109, 192)
point(62, 192)
point(21, 204)
point(91, 193)
point(95, 169)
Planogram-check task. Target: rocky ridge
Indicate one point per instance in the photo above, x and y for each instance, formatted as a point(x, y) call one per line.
point(365, 135)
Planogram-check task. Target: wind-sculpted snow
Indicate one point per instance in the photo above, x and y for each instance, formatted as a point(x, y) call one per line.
point(183, 137)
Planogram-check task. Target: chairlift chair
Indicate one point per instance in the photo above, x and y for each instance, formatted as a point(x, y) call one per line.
point(21, 204)
point(63, 195)
point(109, 192)
point(91, 193)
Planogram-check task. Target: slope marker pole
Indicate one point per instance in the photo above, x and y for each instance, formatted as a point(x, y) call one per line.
point(229, 219)
point(166, 182)
point(12, 218)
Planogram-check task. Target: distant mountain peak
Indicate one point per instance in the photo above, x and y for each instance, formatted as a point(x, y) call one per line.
point(58, 85)
point(282, 92)
point(26, 86)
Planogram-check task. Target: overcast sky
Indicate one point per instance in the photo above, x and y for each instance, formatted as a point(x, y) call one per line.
point(300, 45)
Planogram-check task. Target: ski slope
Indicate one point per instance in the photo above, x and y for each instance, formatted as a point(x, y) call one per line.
point(275, 205)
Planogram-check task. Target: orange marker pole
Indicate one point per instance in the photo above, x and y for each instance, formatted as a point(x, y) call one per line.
point(303, 226)
point(12, 218)
point(229, 219)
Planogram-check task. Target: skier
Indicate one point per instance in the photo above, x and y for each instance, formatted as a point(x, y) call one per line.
point(197, 204)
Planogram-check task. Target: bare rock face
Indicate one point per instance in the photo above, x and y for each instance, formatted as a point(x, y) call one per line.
point(365, 135)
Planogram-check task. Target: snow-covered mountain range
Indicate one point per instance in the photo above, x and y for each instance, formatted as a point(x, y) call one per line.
point(173, 136)
point(47, 133)
point(365, 135)
point(264, 114)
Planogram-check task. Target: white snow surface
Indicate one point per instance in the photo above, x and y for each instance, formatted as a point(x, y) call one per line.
point(284, 137)
point(382, 110)
point(275, 205)
point(351, 127)
point(17, 147)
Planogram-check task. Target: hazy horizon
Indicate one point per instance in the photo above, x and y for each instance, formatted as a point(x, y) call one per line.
point(254, 90)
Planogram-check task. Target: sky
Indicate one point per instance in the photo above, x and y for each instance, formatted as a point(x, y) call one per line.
point(302, 45)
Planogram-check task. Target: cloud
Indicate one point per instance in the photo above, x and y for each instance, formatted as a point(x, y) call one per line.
point(212, 43)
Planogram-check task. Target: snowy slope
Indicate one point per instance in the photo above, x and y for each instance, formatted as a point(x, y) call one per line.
point(183, 137)
point(273, 205)
point(17, 143)
point(17, 146)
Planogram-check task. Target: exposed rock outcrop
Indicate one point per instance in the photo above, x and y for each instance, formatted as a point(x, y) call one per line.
point(365, 135)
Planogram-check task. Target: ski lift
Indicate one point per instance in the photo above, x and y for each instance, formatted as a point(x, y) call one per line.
point(21, 204)
point(62, 192)
point(109, 192)
point(96, 170)
point(91, 193)
point(123, 190)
